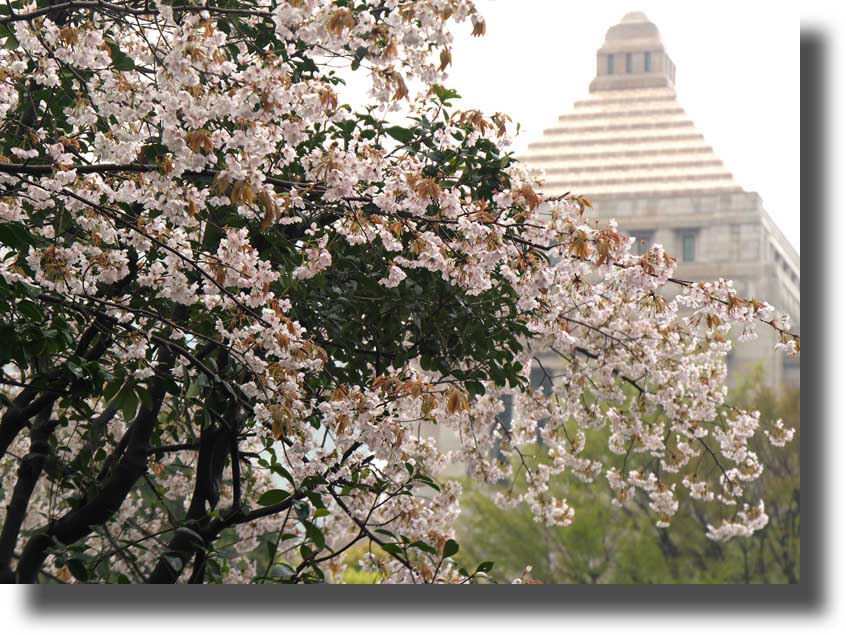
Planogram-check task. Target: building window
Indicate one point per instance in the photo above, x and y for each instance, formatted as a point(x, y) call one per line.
point(647, 62)
point(508, 412)
point(609, 60)
point(643, 241)
point(503, 420)
point(629, 63)
point(539, 377)
point(688, 246)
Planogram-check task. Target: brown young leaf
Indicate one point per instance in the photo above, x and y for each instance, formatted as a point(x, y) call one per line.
point(446, 59)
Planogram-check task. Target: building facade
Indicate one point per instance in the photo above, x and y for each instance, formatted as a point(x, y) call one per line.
point(631, 149)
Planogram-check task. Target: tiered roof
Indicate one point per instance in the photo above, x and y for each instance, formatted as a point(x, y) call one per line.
point(630, 136)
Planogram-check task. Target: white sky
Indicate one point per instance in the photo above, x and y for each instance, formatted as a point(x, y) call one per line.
point(737, 77)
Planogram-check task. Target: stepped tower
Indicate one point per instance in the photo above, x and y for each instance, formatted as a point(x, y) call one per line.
point(631, 149)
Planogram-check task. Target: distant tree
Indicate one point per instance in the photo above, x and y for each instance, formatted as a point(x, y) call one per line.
point(229, 301)
point(609, 545)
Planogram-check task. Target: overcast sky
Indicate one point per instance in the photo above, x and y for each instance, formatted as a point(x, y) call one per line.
point(737, 77)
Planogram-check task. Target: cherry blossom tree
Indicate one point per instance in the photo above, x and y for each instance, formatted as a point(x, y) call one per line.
point(233, 308)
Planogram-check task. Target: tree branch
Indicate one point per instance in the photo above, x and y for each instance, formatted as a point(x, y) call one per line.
point(78, 523)
point(29, 472)
point(110, 7)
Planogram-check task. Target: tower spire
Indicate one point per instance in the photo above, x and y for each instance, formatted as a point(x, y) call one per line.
point(633, 56)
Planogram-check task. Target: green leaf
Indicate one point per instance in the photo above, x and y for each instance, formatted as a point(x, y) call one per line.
point(272, 497)
point(428, 481)
point(314, 497)
point(112, 389)
point(315, 535)
point(120, 60)
point(360, 54)
point(385, 532)
point(302, 509)
point(450, 548)
point(78, 569)
point(11, 42)
point(392, 549)
point(444, 94)
point(193, 390)
point(485, 567)
point(30, 310)
point(422, 546)
point(145, 397)
point(15, 235)
point(76, 369)
point(281, 471)
point(347, 127)
point(403, 135)
point(474, 388)
point(128, 401)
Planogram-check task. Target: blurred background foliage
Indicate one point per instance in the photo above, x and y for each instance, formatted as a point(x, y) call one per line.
point(607, 544)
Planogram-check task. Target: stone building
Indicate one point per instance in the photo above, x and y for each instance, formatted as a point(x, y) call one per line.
point(631, 149)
